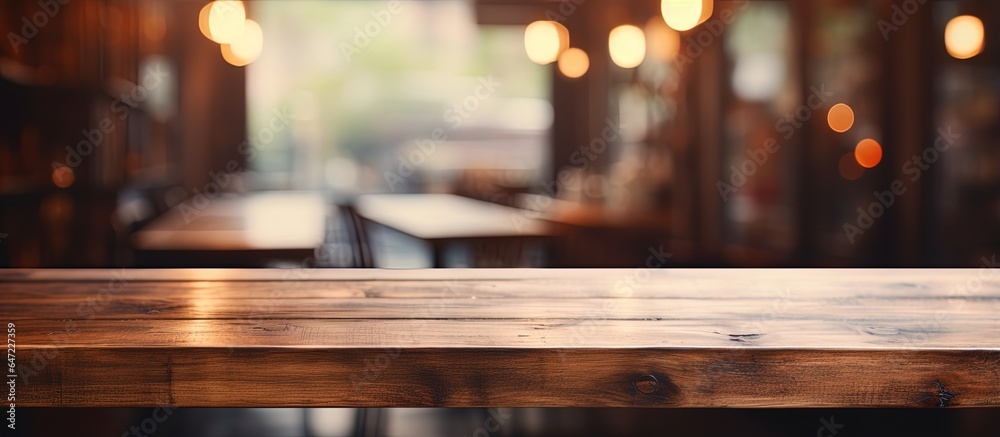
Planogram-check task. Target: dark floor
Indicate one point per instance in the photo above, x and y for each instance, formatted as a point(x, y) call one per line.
point(291, 422)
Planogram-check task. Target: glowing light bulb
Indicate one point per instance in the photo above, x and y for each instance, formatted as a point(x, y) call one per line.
point(63, 176)
point(203, 20)
point(627, 45)
point(840, 118)
point(225, 20)
point(868, 153)
point(544, 41)
point(707, 8)
point(574, 63)
point(684, 15)
point(247, 48)
point(964, 36)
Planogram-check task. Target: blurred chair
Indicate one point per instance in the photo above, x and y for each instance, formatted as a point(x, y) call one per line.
point(356, 236)
point(370, 422)
point(500, 254)
point(502, 187)
point(135, 208)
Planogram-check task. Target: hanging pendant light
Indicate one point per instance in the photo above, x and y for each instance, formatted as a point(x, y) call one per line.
point(222, 21)
point(683, 15)
point(627, 46)
point(544, 41)
point(964, 36)
point(707, 8)
point(247, 48)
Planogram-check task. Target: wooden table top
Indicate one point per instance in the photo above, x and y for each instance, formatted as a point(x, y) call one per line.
point(461, 338)
point(269, 220)
point(447, 217)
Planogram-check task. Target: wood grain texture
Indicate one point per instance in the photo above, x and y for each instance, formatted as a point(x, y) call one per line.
point(463, 338)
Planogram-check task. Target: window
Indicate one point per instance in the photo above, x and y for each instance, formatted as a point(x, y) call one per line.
point(392, 97)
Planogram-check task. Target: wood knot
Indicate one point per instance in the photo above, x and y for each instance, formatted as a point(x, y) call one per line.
point(944, 396)
point(646, 384)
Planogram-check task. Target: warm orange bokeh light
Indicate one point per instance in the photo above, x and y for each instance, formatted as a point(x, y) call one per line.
point(683, 15)
point(63, 176)
point(574, 63)
point(849, 168)
point(544, 41)
point(662, 43)
point(247, 48)
point(222, 21)
point(868, 153)
point(840, 118)
point(203, 20)
point(627, 46)
point(963, 36)
point(707, 8)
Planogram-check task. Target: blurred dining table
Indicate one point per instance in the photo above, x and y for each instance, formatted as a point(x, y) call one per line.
point(446, 219)
point(234, 230)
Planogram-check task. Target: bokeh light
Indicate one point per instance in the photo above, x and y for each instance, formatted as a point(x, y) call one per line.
point(662, 43)
point(544, 41)
point(627, 45)
point(203, 20)
point(63, 176)
point(868, 153)
point(225, 21)
point(849, 168)
point(247, 48)
point(574, 63)
point(758, 77)
point(684, 15)
point(707, 8)
point(840, 118)
point(963, 36)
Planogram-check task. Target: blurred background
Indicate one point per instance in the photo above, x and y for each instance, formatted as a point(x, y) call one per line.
point(499, 133)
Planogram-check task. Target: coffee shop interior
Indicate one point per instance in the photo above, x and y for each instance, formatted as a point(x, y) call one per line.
point(498, 134)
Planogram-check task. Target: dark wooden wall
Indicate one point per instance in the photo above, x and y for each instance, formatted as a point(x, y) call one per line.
point(68, 77)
